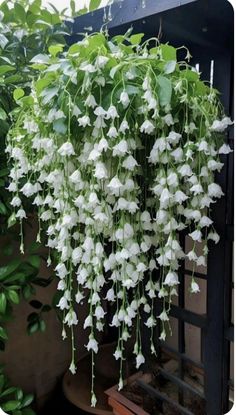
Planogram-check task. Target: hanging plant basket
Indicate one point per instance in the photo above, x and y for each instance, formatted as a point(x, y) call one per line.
point(117, 146)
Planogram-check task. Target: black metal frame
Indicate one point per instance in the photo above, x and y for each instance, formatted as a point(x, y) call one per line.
point(206, 27)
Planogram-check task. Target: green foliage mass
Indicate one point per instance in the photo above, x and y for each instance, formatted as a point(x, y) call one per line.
point(25, 31)
point(12, 399)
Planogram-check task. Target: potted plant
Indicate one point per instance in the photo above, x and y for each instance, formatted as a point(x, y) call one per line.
point(77, 387)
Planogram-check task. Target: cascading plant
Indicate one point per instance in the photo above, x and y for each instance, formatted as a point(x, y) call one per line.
point(117, 146)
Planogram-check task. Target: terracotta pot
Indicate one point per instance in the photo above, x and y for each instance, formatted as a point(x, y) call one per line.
point(120, 404)
point(77, 388)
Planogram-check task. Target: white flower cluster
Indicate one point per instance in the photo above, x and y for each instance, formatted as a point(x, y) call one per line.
point(116, 175)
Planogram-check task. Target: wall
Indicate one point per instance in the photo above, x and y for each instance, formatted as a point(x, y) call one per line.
point(36, 363)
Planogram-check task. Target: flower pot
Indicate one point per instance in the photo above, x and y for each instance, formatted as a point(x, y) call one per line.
point(120, 404)
point(77, 388)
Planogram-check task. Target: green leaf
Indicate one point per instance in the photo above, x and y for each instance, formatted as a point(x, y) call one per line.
point(13, 296)
point(28, 411)
point(49, 17)
point(4, 172)
point(20, 12)
point(3, 303)
point(19, 394)
point(82, 11)
point(27, 101)
point(33, 328)
point(18, 93)
point(10, 405)
point(11, 221)
point(34, 247)
point(42, 326)
point(164, 90)
point(170, 67)
point(41, 84)
point(168, 53)
point(16, 279)
point(53, 68)
point(27, 400)
point(118, 39)
point(94, 4)
point(39, 66)
point(9, 391)
point(96, 41)
point(191, 76)
point(5, 59)
point(113, 71)
point(54, 8)
point(41, 24)
point(31, 19)
point(73, 49)
point(131, 89)
point(154, 51)
point(13, 79)
point(113, 48)
point(3, 41)
point(126, 49)
point(3, 209)
point(9, 269)
point(55, 49)
point(2, 382)
point(6, 68)
point(49, 93)
point(35, 7)
point(136, 39)
point(72, 7)
point(3, 333)
point(3, 115)
point(17, 412)
point(200, 88)
point(27, 292)
point(40, 58)
point(14, 287)
point(34, 260)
